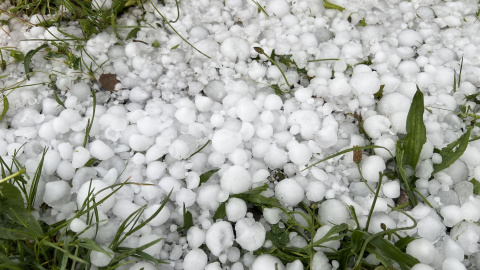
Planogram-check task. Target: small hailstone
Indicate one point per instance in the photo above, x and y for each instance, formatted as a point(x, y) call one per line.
point(422, 249)
point(196, 259)
point(101, 259)
point(235, 209)
point(289, 192)
point(267, 262)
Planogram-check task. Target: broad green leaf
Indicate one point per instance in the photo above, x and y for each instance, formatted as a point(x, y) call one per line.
point(28, 59)
point(416, 131)
point(221, 212)
point(476, 186)
point(206, 175)
point(449, 154)
point(329, 5)
point(5, 108)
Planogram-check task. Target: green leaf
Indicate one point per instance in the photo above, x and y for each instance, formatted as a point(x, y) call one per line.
point(221, 212)
point(156, 44)
point(452, 152)
point(206, 175)
point(5, 107)
point(476, 186)
point(28, 59)
point(17, 56)
point(133, 33)
point(329, 5)
point(416, 131)
point(388, 253)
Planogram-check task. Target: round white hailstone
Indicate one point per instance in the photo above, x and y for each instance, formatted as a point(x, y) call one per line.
point(235, 48)
point(371, 167)
point(289, 192)
point(185, 197)
point(423, 250)
point(471, 210)
point(278, 8)
point(159, 219)
point(326, 246)
point(100, 151)
point(365, 83)
point(327, 136)
point(250, 234)
point(246, 110)
point(196, 259)
point(308, 121)
point(203, 103)
point(195, 237)
point(235, 209)
point(96, 186)
point(272, 215)
point(393, 103)
point(452, 215)
point(308, 40)
point(267, 262)
point(339, 86)
point(80, 157)
point(185, 115)
point(410, 38)
point(295, 265)
point(256, 71)
point(333, 211)
point(275, 157)
point(452, 263)
point(320, 262)
point(391, 189)
point(272, 102)
point(219, 237)
point(140, 143)
point(236, 179)
point(388, 142)
point(101, 259)
point(375, 125)
point(421, 266)
point(452, 249)
point(207, 196)
point(57, 193)
point(303, 94)
point(225, 141)
point(123, 208)
point(81, 90)
point(299, 153)
point(430, 228)
point(316, 191)
point(51, 161)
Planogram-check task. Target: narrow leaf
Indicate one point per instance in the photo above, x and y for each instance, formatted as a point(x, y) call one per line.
point(221, 212)
point(416, 131)
point(5, 107)
point(28, 59)
point(206, 175)
point(449, 154)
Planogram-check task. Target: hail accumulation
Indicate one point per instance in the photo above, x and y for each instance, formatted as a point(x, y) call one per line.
point(172, 100)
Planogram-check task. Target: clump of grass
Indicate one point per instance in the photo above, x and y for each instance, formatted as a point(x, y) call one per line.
point(27, 243)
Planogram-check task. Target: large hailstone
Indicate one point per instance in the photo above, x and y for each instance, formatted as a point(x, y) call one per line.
point(219, 237)
point(250, 234)
point(236, 179)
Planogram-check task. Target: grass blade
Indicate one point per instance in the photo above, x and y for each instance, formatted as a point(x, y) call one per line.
point(28, 59)
point(449, 154)
point(5, 107)
point(416, 131)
